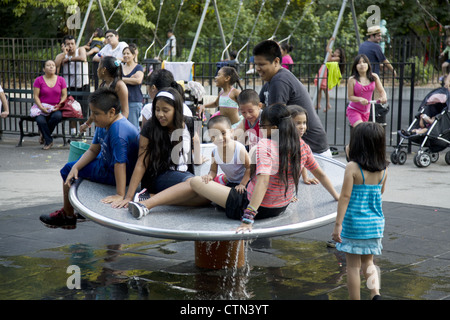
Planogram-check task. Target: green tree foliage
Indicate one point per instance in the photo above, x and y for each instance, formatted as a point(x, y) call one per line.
point(403, 17)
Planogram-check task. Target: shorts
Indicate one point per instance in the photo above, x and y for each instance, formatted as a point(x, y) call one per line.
point(238, 202)
point(360, 246)
point(166, 180)
point(354, 116)
point(90, 172)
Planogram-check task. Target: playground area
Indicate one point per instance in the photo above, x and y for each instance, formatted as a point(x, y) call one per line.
point(169, 255)
point(118, 265)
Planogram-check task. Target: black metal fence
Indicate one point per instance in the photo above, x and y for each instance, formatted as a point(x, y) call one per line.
point(415, 59)
point(18, 76)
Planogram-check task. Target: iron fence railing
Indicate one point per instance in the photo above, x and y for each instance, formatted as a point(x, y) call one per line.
point(18, 77)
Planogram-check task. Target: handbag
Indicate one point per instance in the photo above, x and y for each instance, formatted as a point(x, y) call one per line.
point(71, 108)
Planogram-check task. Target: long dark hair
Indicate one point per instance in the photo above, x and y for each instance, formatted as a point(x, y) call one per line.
point(114, 68)
point(342, 59)
point(234, 76)
point(289, 142)
point(163, 78)
point(355, 72)
point(368, 146)
point(157, 157)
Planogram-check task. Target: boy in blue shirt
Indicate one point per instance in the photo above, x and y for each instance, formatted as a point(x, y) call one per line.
point(109, 160)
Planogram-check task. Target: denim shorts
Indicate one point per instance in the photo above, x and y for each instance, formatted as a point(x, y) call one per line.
point(168, 179)
point(91, 172)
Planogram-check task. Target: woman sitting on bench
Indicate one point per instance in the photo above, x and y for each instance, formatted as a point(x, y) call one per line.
point(50, 92)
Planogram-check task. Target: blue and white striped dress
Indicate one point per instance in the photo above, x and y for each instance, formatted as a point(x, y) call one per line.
point(363, 225)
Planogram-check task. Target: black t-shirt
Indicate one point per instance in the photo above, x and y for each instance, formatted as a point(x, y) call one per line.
point(284, 87)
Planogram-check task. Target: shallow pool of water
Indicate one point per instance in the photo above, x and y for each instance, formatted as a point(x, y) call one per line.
point(279, 268)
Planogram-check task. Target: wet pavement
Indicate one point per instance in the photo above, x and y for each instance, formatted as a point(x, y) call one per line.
point(36, 261)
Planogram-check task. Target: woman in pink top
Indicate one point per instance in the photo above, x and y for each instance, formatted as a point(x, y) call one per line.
point(361, 86)
point(50, 92)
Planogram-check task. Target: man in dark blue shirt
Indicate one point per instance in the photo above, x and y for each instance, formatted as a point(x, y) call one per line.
point(372, 49)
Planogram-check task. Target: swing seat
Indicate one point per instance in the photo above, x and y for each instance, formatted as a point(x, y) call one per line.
point(314, 208)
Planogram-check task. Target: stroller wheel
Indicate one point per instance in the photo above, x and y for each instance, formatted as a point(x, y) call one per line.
point(401, 157)
point(447, 157)
point(394, 157)
point(434, 157)
point(422, 159)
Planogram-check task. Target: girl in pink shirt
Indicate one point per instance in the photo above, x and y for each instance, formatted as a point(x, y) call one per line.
point(286, 59)
point(361, 86)
point(275, 172)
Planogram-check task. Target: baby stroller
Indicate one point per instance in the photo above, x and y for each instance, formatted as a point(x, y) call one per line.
point(434, 137)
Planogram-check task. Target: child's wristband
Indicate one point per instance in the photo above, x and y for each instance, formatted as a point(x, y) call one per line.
point(249, 215)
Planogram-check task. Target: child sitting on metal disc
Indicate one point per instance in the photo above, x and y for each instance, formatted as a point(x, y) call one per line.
point(228, 155)
point(109, 160)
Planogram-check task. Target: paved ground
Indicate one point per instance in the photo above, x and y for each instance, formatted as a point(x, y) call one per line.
point(415, 264)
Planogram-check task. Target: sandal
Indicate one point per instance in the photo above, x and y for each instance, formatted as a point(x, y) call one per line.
point(47, 146)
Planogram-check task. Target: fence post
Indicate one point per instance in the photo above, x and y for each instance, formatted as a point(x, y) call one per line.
point(400, 99)
point(411, 99)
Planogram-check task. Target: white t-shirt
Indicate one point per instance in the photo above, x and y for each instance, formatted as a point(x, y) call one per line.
point(107, 50)
point(78, 71)
point(171, 41)
point(147, 111)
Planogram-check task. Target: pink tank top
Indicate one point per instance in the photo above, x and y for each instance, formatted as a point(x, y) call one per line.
point(365, 92)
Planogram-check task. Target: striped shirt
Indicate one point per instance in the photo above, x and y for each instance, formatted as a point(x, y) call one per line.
point(267, 162)
point(364, 217)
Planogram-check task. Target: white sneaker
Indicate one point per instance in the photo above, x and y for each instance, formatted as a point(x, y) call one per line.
point(137, 210)
point(250, 71)
point(141, 195)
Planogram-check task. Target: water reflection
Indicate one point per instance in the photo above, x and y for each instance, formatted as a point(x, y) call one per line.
point(278, 268)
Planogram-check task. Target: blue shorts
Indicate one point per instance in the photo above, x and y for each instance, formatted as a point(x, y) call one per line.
point(168, 179)
point(90, 172)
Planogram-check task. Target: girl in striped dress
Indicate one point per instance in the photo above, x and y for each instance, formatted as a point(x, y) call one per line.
point(360, 221)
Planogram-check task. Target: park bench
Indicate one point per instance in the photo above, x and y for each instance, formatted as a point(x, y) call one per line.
point(21, 97)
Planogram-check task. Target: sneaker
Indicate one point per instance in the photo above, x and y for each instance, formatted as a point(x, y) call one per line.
point(250, 71)
point(137, 209)
point(58, 219)
point(141, 196)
